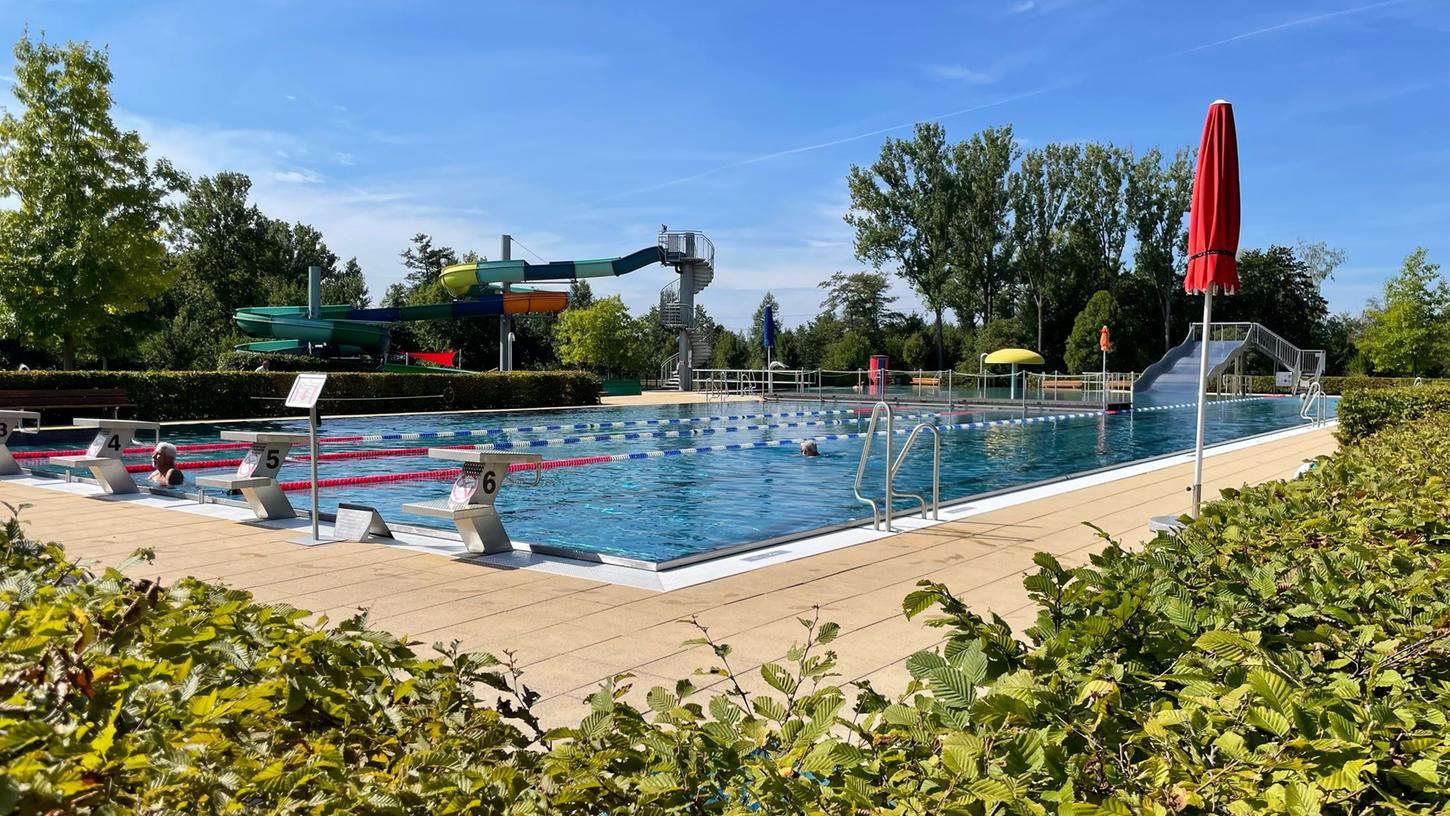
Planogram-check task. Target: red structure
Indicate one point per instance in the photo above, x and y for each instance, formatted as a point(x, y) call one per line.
point(876, 375)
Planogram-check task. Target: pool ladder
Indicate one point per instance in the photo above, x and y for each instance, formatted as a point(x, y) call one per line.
point(1313, 397)
point(892, 466)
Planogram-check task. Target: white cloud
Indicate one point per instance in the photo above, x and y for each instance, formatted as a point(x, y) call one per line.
point(343, 158)
point(296, 177)
point(1025, 6)
point(289, 97)
point(961, 73)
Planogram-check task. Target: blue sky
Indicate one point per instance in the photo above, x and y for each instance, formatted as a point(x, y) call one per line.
point(581, 127)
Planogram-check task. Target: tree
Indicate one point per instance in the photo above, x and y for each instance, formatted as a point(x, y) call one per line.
point(981, 227)
point(1408, 330)
point(1083, 352)
point(861, 300)
point(82, 246)
point(1321, 258)
point(604, 338)
point(756, 334)
point(580, 294)
point(1003, 332)
point(848, 352)
point(902, 208)
point(424, 261)
point(1101, 206)
point(347, 286)
point(1041, 193)
point(1158, 198)
point(731, 351)
point(1279, 291)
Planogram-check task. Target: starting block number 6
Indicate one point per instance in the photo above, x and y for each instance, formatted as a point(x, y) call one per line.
point(471, 483)
point(105, 440)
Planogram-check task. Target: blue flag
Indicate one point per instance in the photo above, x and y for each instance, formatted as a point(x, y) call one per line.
point(768, 329)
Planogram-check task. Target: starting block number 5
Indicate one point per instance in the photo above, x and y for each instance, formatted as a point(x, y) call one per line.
point(105, 441)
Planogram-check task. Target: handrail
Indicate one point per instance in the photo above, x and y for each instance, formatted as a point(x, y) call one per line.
point(1314, 395)
point(866, 456)
point(935, 469)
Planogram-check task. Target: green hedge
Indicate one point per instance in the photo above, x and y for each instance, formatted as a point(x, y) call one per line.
point(1287, 653)
point(248, 361)
point(1364, 412)
point(175, 395)
point(1264, 384)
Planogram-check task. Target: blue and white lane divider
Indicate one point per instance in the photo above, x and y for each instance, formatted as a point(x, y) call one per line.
point(582, 426)
point(631, 435)
point(683, 421)
point(780, 443)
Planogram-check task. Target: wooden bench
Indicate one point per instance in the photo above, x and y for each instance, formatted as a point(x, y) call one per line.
point(926, 380)
point(51, 399)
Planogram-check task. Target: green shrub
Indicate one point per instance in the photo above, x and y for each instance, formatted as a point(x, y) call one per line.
point(1286, 653)
point(175, 395)
point(1363, 412)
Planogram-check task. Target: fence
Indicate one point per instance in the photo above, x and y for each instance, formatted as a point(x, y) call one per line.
point(948, 386)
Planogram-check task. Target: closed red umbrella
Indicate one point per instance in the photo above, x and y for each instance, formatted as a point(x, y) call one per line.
point(1213, 241)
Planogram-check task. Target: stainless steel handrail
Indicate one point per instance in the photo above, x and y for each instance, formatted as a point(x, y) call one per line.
point(1314, 394)
point(866, 456)
point(935, 468)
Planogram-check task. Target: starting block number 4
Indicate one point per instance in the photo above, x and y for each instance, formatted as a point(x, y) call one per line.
point(106, 443)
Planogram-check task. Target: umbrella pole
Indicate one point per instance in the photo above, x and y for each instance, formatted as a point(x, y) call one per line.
point(1202, 399)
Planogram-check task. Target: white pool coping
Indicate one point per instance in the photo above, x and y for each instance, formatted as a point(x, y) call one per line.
point(693, 574)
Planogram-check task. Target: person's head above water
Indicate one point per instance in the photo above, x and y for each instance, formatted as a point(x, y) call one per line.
point(808, 448)
point(165, 454)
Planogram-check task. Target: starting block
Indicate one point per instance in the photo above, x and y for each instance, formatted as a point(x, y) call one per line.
point(256, 476)
point(11, 423)
point(103, 457)
point(470, 503)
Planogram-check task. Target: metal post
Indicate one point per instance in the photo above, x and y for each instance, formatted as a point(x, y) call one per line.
point(314, 297)
point(1105, 379)
point(505, 329)
point(1202, 399)
point(312, 423)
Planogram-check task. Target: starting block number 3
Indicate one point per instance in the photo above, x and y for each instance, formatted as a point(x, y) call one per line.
point(104, 441)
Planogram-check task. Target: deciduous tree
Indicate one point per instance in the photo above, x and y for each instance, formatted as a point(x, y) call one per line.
point(1408, 330)
point(83, 243)
point(1041, 193)
point(902, 208)
point(982, 230)
point(1158, 199)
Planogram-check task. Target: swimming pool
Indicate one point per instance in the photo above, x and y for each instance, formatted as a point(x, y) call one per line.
point(661, 507)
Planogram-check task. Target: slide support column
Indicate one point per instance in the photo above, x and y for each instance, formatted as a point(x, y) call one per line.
point(505, 326)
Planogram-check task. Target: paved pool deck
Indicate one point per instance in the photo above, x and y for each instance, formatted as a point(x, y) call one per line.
point(569, 633)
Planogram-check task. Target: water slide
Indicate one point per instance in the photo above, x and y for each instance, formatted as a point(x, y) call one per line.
point(354, 331)
point(1175, 377)
point(484, 277)
point(479, 285)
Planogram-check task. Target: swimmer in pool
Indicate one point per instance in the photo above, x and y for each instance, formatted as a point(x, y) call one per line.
point(164, 471)
point(808, 448)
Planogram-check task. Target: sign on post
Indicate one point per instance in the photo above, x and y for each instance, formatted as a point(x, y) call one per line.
point(305, 390)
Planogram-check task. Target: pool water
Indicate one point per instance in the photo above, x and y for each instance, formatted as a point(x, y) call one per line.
point(666, 508)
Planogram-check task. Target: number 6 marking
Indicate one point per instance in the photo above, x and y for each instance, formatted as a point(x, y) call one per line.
point(489, 484)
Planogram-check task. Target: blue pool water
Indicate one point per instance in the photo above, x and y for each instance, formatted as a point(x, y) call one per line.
point(659, 509)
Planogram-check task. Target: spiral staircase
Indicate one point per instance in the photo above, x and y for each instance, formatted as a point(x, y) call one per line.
point(693, 257)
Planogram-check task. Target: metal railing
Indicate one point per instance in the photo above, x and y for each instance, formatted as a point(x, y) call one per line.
point(876, 411)
point(682, 246)
point(935, 469)
point(1306, 363)
point(1313, 398)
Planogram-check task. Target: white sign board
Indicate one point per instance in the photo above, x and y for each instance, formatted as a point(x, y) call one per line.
point(305, 390)
point(356, 522)
point(1284, 379)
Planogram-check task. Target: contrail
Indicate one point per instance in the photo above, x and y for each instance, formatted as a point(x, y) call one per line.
point(832, 143)
point(1281, 26)
point(764, 157)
